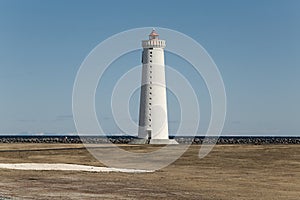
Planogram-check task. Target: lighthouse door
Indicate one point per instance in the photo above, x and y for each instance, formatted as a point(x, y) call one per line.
point(149, 133)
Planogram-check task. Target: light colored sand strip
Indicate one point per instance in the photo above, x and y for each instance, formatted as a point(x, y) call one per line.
point(67, 167)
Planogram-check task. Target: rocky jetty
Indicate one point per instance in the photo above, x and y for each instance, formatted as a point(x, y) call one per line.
point(127, 139)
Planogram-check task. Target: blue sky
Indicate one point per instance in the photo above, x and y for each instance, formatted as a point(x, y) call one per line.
point(255, 45)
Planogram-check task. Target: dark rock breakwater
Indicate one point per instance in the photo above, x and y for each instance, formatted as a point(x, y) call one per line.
point(126, 139)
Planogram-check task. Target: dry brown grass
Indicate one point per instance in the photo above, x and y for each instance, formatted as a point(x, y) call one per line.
point(228, 172)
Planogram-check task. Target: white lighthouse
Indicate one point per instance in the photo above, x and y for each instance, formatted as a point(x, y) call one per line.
point(153, 115)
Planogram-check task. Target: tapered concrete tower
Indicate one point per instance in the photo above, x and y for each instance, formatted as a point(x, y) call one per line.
point(153, 118)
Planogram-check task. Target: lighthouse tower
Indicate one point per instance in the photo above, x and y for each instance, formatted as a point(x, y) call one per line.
point(153, 116)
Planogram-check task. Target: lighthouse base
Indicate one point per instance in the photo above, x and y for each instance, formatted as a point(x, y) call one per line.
point(153, 141)
point(163, 141)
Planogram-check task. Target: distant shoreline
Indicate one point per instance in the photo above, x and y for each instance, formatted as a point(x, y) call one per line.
point(255, 140)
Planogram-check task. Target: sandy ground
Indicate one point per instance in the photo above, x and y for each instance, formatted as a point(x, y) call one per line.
point(228, 172)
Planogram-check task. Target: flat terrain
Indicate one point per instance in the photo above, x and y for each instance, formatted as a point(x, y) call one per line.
point(228, 172)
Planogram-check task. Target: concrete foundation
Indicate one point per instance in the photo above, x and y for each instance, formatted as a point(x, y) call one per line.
point(153, 141)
